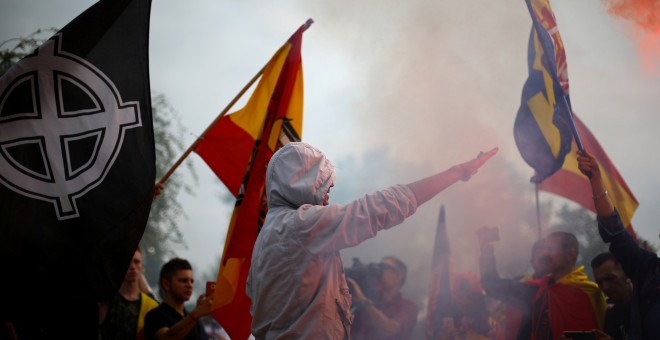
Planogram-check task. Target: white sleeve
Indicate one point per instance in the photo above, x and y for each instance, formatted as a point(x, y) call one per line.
point(326, 229)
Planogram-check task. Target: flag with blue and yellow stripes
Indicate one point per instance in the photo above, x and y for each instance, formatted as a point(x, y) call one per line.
point(542, 128)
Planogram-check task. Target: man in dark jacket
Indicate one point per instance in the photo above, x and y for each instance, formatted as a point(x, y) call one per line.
point(641, 266)
point(616, 285)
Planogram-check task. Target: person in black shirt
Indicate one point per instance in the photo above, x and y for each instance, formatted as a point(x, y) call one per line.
point(170, 320)
point(639, 264)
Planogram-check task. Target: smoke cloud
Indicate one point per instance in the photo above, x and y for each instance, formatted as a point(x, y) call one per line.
point(645, 14)
point(496, 196)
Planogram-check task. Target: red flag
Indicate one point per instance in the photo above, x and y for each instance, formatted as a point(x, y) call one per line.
point(572, 184)
point(238, 149)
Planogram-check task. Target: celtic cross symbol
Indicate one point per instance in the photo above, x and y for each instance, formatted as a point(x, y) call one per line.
point(62, 125)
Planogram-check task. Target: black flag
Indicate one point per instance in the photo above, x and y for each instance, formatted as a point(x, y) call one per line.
point(77, 160)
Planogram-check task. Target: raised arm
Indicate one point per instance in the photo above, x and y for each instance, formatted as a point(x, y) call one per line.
point(324, 229)
point(509, 291)
point(426, 188)
point(622, 244)
point(398, 326)
point(588, 165)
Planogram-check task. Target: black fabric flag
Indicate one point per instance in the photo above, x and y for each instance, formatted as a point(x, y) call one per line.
point(440, 307)
point(77, 160)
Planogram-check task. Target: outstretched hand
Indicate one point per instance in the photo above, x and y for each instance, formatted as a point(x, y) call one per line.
point(426, 188)
point(587, 164)
point(469, 168)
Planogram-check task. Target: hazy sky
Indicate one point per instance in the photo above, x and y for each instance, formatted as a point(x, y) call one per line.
point(399, 89)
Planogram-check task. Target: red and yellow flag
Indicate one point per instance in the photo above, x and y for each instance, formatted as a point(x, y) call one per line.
point(572, 184)
point(238, 149)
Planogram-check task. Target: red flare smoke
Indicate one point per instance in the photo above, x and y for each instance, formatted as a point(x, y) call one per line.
point(646, 16)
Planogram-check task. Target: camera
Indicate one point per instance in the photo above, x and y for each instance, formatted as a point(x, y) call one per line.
point(367, 277)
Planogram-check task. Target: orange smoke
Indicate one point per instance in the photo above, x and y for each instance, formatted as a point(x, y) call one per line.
point(646, 16)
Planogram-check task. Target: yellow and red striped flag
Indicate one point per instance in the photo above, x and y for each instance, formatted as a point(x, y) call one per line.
point(572, 184)
point(238, 148)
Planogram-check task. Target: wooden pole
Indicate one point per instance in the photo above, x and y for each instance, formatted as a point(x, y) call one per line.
point(538, 211)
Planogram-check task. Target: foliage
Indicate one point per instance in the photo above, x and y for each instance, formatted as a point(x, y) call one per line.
point(23, 47)
point(162, 232)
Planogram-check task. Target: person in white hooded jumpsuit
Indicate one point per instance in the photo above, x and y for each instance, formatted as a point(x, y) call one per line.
point(296, 280)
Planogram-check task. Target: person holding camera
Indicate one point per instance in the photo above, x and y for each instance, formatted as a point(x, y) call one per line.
point(296, 280)
point(390, 317)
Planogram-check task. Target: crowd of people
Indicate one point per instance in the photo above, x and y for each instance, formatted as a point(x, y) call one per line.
point(307, 295)
point(296, 280)
point(299, 289)
point(134, 312)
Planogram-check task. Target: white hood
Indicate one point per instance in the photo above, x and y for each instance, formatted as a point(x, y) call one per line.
point(298, 174)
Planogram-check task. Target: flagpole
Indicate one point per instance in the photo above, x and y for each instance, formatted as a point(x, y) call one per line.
point(538, 210)
point(578, 141)
point(192, 147)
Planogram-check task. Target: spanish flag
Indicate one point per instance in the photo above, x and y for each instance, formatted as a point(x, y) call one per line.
point(572, 184)
point(573, 303)
point(238, 148)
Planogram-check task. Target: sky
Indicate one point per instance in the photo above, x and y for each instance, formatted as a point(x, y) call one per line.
point(397, 90)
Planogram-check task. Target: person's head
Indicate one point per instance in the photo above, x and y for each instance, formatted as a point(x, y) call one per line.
point(135, 268)
point(298, 174)
point(559, 252)
point(540, 267)
point(176, 280)
point(394, 272)
point(611, 279)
